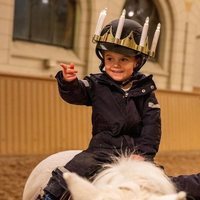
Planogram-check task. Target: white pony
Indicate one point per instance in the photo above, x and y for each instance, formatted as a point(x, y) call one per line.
point(124, 179)
point(40, 175)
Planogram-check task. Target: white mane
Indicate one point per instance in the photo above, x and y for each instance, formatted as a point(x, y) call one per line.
point(125, 179)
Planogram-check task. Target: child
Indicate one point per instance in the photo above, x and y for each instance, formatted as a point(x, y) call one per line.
point(125, 111)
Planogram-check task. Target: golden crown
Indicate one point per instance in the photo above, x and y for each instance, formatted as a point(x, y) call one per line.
point(128, 41)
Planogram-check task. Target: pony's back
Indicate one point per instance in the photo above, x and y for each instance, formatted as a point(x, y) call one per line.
point(40, 175)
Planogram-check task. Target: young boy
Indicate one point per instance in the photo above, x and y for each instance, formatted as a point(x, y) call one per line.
point(125, 111)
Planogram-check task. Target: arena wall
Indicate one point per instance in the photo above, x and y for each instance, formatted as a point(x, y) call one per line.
point(35, 120)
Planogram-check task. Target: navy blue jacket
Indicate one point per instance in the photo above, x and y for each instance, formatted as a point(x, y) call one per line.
point(120, 120)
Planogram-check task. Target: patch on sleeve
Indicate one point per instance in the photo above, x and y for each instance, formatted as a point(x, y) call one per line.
point(153, 105)
point(86, 83)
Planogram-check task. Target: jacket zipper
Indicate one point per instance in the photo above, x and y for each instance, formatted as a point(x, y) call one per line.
point(126, 94)
point(126, 97)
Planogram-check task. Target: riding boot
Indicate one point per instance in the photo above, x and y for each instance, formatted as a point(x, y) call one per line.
point(56, 188)
point(65, 196)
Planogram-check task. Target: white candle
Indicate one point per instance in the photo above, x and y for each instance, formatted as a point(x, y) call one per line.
point(100, 21)
point(155, 38)
point(120, 25)
point(144, 32)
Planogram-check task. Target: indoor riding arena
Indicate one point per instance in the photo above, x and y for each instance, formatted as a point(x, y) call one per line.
point(35, 122)
point(33, 128)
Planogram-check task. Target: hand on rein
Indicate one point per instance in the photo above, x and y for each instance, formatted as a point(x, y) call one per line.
point(137, 157)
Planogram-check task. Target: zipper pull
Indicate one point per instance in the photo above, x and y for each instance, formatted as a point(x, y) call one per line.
point(126, 94)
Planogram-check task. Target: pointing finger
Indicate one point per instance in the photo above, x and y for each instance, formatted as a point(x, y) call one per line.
point(64, 68)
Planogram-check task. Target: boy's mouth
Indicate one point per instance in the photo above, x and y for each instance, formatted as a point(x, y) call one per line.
point(116, 71)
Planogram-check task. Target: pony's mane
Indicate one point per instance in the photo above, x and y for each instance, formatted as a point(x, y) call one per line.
point(144, 173)
point(124, 179)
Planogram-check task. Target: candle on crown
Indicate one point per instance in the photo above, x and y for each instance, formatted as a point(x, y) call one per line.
point(144, 32)
point(100, 21)
point(155, 38)
point(120, 25)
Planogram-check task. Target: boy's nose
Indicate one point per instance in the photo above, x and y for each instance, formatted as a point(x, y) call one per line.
point(116, 64)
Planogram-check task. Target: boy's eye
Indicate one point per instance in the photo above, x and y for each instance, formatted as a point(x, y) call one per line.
point(109, 58)
point(124, 59)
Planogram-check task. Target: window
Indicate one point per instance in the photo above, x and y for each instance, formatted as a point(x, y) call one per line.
point(45, 21)
point(140, 9)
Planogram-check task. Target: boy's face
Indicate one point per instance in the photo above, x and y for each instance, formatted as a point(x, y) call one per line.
point(118, 66)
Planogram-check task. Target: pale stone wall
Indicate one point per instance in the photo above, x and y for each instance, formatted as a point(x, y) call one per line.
point(32, 59)
point(178, 65)
point(186, 17)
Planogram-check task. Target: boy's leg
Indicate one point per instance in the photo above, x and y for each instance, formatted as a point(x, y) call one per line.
point(56, 188)
point(84, 164)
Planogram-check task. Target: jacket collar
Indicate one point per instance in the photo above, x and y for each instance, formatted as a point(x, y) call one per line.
point(142, 84)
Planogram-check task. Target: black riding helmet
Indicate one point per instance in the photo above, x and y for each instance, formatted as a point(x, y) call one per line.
point(129, 26)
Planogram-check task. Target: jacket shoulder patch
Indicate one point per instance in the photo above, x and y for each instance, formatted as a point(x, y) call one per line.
point(86, 83)
point(153, 105)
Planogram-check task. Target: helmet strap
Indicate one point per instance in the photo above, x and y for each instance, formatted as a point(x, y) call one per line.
point(100, 56)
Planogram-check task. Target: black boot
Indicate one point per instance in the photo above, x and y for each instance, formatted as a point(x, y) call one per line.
point(56, 188)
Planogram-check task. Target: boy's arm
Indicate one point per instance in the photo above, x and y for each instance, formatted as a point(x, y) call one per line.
point(148, 142)
point(75, 91)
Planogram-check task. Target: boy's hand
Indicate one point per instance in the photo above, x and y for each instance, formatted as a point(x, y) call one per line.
point(137, 157)
point(69, 73)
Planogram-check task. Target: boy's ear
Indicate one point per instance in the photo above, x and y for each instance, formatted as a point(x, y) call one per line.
point(139, 61)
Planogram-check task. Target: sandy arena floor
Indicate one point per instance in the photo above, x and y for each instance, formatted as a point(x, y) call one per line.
point(14, 170)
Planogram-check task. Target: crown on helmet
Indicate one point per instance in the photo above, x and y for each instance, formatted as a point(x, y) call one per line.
point(129, 41)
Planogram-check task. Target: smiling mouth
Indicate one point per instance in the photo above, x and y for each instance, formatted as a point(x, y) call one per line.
point(117, 72)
